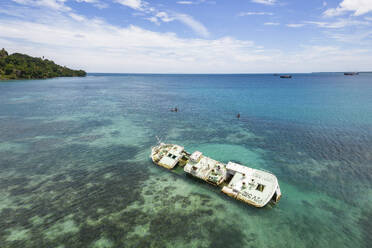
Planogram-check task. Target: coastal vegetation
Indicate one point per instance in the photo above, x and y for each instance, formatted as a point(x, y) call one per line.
point(22, 66)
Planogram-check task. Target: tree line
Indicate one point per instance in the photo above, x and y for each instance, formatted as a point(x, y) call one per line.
point(22, 66)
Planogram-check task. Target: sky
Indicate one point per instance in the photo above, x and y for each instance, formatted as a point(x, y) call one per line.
point(192, 36)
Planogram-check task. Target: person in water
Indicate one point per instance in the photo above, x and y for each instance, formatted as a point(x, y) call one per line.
point(174, 109)
point(238, 115)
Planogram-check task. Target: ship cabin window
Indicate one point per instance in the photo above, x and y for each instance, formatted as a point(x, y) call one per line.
point(260, 187)
point(174, 156)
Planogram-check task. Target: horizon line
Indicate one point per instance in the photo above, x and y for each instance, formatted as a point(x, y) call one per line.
point(216, 73)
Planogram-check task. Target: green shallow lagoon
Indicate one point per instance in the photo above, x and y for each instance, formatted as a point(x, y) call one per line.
point(75, 168)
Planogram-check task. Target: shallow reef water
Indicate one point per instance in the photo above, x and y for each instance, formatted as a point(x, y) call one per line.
point(75, 168)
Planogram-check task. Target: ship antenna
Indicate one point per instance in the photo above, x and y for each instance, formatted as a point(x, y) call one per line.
point(159, 140)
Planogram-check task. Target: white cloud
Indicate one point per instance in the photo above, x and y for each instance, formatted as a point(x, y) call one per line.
point(359, 7)
point(341, 23)
point(95, 3)
point(160, 16)
point(266, 2)
point(134, 4)
point(185, 2)
point(52, 4)
point(77, 17)
point(272, 23)
point(153, 19)
point(94, 45)
point(86, 1)
point(320, 58)
point(295, 25)
point(326, 24)
point(254, 13)
point(317, 53)
point(198, 27)
point(356, 38)
point(97, 46)
point(163, 16)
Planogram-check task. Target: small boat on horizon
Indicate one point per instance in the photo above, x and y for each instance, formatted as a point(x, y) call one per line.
point(252, 186)
point(285, 76)
point(351, 73)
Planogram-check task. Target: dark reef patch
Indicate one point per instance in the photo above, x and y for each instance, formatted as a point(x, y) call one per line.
point(19, 128)
point(335, 211)
point(167, 227)
point(13, 183)
point(220, 236)
point(307, 204)
point(76, 155)
point(82, 191)
point(365, 225)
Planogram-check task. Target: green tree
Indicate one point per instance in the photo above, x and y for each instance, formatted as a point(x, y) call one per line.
point(3, 53)
point(9, 69)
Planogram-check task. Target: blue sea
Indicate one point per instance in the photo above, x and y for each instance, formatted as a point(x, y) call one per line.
point(75, 168)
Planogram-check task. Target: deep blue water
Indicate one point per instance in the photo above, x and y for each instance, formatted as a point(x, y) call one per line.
point(75, 168)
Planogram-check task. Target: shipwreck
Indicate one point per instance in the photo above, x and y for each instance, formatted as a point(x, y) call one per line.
point(252, 186)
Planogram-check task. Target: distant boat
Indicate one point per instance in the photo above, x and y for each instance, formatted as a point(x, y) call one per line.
point(285, 76)
point(351, 73)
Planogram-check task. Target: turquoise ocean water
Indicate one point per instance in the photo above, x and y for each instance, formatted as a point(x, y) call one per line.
point(75, 168)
